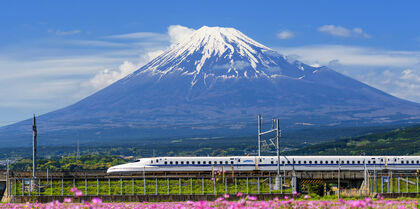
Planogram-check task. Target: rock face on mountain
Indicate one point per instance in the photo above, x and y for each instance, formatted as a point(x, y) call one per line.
point(215, 83)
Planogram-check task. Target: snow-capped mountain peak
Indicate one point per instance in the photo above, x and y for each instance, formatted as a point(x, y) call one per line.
point(224, 53)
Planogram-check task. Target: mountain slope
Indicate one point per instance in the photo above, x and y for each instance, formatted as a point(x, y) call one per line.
point(214, 84)
point(406, 139)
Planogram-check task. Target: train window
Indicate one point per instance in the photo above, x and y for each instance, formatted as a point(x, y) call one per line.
point(239, 160)
point(417, 162)
point(310, 162)
point(320, 162)
point(198, 162)
point(348, 161)
point(260, 160)
point(157, 161)
point(304, 162)
point(226, 162)
point(231, 162)
point(368, 161)
point(352, 161)
point(176, 162)
point(299, 162)
point(412, 161)
point(332, 162)
point(182, 162)
point(402, 161)
point(188, 162)
point(221, 162)
point(358, 162)
point(170, 163)
point(408, 162)
point(382, 160)
point(272, 162)
point(193, 162)
point(282, 162)
point(215, 162)
point(166, 163)
point(315, 162)
point(395, 160)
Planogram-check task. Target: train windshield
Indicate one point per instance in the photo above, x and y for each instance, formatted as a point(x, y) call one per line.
point(138, 160)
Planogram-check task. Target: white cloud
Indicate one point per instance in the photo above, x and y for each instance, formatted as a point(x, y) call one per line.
point(285, 34)
point(410, 75)
point(141, 35)
point(176, 34)
point(107, 77)
point(179, 33)
point(95, 43)
point(352, 55)
point(64, 33)
point(336, 30)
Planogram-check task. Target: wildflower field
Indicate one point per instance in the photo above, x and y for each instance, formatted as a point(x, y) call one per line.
point(244, 202)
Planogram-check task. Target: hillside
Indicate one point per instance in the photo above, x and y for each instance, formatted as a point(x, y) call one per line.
point(402, 141)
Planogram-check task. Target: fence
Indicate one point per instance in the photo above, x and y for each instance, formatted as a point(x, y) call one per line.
point(393, 182)
point(148, 186)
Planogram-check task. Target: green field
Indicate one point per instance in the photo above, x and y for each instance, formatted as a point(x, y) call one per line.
point(150, 186)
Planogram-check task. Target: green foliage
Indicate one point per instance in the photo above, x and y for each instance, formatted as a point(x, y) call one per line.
point(71, 163)
point(402, 141)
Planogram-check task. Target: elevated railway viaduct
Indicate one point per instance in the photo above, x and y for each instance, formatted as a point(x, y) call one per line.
point(179, 186)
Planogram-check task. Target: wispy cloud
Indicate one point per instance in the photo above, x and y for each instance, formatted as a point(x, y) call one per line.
point(286, 34)
point(140, 35)
point(95, 43)
point(64, 33)
point(353, 55)
point(175, 34)
point(336, 30)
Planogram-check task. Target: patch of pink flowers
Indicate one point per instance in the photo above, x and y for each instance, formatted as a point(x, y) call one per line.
point(249, 202)
point(245, 203)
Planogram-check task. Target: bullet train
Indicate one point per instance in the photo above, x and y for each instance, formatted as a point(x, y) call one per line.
point(268, 163)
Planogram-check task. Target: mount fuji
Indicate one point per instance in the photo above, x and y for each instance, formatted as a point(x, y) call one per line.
point(215, 83)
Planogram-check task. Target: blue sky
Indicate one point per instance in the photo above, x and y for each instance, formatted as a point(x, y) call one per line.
point(54, 53)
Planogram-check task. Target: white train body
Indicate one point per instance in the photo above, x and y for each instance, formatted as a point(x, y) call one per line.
point(268, 163)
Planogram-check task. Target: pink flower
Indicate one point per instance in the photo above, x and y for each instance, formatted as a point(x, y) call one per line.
point(96, 200)
point(307, 197)
point(286, 197)
point(78, 193)
point(67, 200)
point(294, 192)
point(239, 194)
point(253, 198)
point(226, 196)
point(72, 190)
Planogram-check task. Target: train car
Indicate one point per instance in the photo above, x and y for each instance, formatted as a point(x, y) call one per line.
point(268, 163)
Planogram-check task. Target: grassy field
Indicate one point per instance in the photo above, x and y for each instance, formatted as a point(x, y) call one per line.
point(150, 186)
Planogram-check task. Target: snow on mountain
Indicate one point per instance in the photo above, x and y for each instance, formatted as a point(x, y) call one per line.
point(224, 53)
point(215, 83)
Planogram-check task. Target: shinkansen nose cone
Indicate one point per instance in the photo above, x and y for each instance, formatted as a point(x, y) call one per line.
point(128, 167)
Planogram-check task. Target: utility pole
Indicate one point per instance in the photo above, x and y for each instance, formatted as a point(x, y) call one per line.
point(34, 145)
point(8, 187)
point(278, 152)
point(339, 176)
